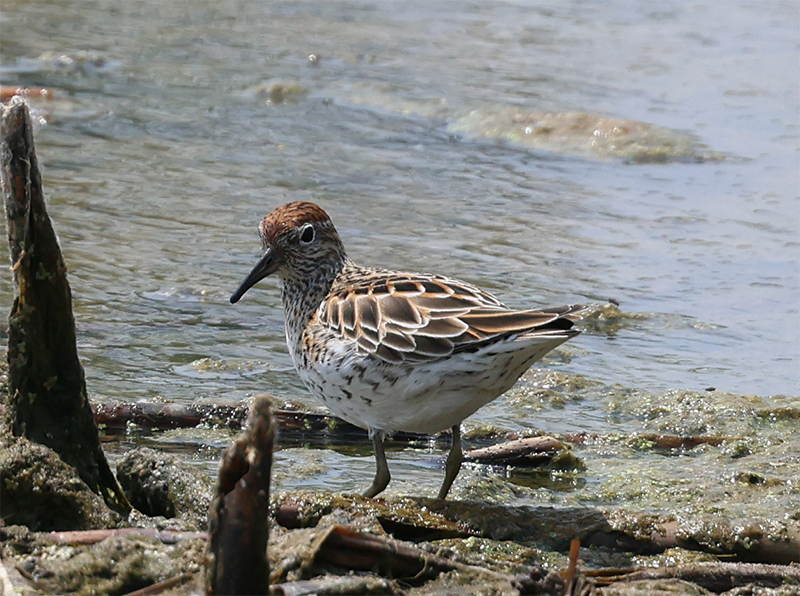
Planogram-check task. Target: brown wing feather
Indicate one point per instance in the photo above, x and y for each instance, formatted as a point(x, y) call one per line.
point(409, 318)
point(368, 313)
point(498, 323)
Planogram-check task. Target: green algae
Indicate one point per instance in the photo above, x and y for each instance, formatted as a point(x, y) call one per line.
point(504, 556)
point(279, 91)
point(543, 388)
point(671, 557)
point(582, 134)
point(679, 451)
point(457, 582)
point(304, 509)
point(578, 134)
point(39, 490)
point(157, 484)
point(117, 565)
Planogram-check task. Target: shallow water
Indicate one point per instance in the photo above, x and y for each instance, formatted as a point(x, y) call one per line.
point(165, 146)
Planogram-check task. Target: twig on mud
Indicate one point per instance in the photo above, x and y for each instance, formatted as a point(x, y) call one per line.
point(160, 587)
point(83, 537)
point(572, 568)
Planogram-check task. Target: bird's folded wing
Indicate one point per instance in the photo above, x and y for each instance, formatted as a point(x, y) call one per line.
point(407, 318)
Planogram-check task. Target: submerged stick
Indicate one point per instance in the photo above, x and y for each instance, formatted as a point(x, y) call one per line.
point(7, 93)
point(238, 518)
point(117, 415)
point(48, 400)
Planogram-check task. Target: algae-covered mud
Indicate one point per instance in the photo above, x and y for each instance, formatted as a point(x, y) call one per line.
point(682, 498)
point(577, 134)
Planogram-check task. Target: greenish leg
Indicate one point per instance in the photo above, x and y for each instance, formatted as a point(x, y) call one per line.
point(453, 465)
point(382, 475)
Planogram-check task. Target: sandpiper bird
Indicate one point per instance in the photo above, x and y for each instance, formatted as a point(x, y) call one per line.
point(391, 351)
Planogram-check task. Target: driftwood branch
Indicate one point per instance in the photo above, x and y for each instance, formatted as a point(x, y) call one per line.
point(345, 547)
point(117, 415)
point(48, 400)
point(238, 518)
point(528, 452)
point(716, 577)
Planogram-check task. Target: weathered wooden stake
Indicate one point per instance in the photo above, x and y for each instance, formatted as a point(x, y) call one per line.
point(48, 401)
point(238, 520)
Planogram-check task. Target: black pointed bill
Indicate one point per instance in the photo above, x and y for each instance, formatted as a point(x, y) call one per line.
point(268, 265)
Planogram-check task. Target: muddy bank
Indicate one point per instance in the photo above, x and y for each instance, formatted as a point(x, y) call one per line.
point(342, 544)
point(41, 492)
point(322, 542)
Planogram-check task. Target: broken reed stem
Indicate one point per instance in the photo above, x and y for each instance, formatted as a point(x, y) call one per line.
point(239, 515)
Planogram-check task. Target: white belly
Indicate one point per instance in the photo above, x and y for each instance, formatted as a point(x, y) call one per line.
point(424, 397)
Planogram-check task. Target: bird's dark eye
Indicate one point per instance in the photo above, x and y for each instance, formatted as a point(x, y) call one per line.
point(307, 234)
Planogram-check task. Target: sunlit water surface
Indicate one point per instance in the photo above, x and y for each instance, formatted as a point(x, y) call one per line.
point(164, 149)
